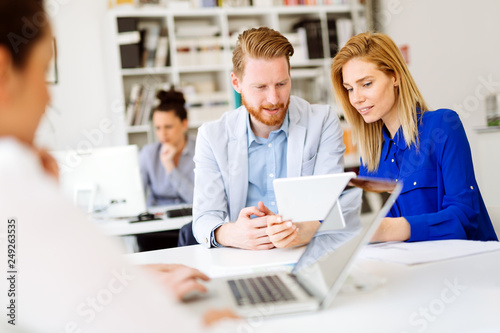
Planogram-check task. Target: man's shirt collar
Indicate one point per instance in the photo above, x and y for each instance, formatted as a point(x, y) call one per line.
point(251, 136)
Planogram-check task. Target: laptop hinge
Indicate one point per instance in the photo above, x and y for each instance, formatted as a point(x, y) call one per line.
point(304, 287)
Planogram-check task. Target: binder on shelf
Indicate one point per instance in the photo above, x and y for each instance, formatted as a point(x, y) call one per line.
point(314, 37)
point(129, 40)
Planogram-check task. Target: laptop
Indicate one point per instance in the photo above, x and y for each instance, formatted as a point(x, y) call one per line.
point(320, 271)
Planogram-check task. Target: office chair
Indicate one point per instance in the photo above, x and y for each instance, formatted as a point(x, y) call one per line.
point(186, 236)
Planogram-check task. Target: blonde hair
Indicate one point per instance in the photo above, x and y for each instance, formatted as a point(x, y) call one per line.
point(380, 50)
point(260, 43)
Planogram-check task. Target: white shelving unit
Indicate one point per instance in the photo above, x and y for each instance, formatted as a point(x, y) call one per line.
point(208, 72)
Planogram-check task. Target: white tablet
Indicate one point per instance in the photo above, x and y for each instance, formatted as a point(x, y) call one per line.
point(309, 198)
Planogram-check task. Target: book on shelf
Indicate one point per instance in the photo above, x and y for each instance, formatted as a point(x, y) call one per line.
point(151, 31)
point(345, 30)
point(234, 3)
point(151, 101)
point(333, 38)
point(138, 107)
point(143, 43)
point(306, 2)
point(313, 35)
point(209, 3)
point(141, 102)
point(149, 2)
point(162, 49)
point(299, 42)
point(135, 92)
point(129, 40)
point(146, 105)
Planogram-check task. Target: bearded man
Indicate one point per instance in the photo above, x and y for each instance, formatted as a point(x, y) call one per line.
point(272, 135)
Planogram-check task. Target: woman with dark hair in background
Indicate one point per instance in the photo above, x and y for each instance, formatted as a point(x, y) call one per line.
point(167, 165)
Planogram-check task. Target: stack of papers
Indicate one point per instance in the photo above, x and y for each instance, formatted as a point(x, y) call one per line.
point(423, 252)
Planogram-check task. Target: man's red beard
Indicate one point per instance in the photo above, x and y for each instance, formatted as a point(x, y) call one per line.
point(269, 120)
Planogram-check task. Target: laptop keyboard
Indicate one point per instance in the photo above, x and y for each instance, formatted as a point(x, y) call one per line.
point(262, 289)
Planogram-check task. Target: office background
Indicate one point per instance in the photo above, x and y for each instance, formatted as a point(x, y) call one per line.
point(451, 54)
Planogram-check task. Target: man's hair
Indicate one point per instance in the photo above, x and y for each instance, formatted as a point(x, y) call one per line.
point(260, 43)
point(378, 49)
point(22, 24)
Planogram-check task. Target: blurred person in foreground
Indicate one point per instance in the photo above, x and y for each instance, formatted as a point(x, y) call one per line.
point(70, 276)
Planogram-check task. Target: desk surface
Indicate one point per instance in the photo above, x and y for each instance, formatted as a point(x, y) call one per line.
point(123, 227)
point(457, 295)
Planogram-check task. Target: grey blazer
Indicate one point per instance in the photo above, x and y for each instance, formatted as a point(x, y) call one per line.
point(315, 147)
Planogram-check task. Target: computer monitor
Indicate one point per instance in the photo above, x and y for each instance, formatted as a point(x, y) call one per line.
point(103, 181)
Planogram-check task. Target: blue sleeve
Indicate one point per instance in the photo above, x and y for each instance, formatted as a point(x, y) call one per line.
point(458, 194)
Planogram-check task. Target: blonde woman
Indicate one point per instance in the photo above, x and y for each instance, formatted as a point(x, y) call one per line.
point(401, 139)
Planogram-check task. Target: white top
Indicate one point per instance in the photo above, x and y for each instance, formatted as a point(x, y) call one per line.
point(69, 275)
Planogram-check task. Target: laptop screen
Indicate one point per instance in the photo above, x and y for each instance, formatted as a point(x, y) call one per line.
point(326, 261)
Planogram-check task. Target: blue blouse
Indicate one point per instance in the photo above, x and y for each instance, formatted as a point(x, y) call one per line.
point(440, 197)
point(167, 189)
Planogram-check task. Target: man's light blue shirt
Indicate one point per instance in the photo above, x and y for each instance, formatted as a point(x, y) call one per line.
point(266, 162)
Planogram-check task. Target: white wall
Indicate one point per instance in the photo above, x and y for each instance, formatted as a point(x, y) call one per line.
point(454, 52)
point(80, 116)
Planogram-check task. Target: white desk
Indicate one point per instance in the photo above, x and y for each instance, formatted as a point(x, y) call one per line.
point(128, 230)
point(457, 295)
point(124, 227)
point(220, 261)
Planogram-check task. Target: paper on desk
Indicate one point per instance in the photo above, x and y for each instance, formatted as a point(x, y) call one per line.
point(423, 252)
point(239, 262)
